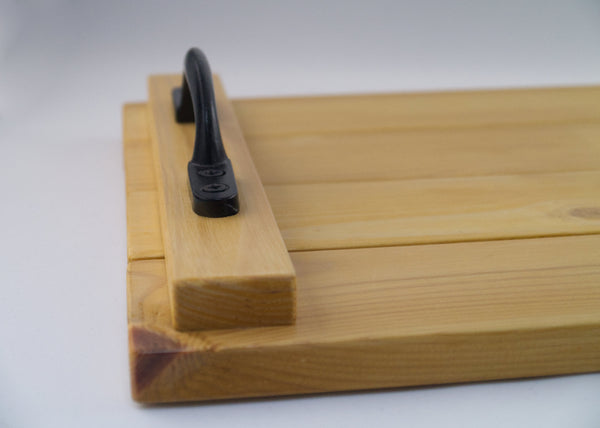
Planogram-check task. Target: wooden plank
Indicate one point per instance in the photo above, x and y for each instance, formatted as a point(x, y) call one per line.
point(384, 317)
point(226, 272)
point(135, 122)
point(138, 158)
point(144, 239)
point(357, 113)
point(425, 153)
point(376, 213)
point(419, 211)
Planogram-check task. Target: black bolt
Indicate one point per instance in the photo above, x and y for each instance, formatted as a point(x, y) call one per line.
point(211, 172)
point(215, 188)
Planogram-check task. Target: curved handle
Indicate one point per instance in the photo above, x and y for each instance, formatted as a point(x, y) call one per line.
point(212, 181)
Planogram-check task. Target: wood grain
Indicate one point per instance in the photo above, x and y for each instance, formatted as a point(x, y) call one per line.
point(375, 155)
point(144, 238)
point(433, 110)
point(402, 212)
point(382, 317)
point(496, 165)
point(348, 214)
point(135, 122)
point(223, 272)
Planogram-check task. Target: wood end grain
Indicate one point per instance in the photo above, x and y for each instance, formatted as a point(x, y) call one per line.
point(150, 354)
point(215, 303)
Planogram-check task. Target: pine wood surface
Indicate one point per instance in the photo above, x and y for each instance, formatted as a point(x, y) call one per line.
point(447, 201)
point(433, 110)
point(360, 171)
point(375, 213)
point(407, 315)
point(382, 317)
point(144, 237)
point(399, 154)
point(222, 272)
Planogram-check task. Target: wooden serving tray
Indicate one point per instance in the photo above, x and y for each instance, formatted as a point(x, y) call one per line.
point(436, 238)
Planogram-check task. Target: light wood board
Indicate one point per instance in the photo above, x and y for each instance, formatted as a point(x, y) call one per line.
point(497, 198)
point(222, 272)
point(456, 152)
point(400, 315)
point(374, 213)
point(144, 237)
point(383, 317)
point(433, 110)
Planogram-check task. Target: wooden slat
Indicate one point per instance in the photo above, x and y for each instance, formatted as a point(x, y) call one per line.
point(135, 122)
point(425, 153)
point(224, 272)
point(138, 159)
point(342, 215)
point(356, 113)
point(382, 317)
point(144, 239)
point(370, 214)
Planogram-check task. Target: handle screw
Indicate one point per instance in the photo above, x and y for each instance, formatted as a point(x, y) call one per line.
point(215, 188)
point(211, 172)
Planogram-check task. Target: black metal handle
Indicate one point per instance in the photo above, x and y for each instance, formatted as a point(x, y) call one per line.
point(212, 181)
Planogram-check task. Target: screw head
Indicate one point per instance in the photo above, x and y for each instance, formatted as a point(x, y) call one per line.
point(215, 188)
point(211, 172)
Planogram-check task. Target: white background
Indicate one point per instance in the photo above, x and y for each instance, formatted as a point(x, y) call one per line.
point(66, 67)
